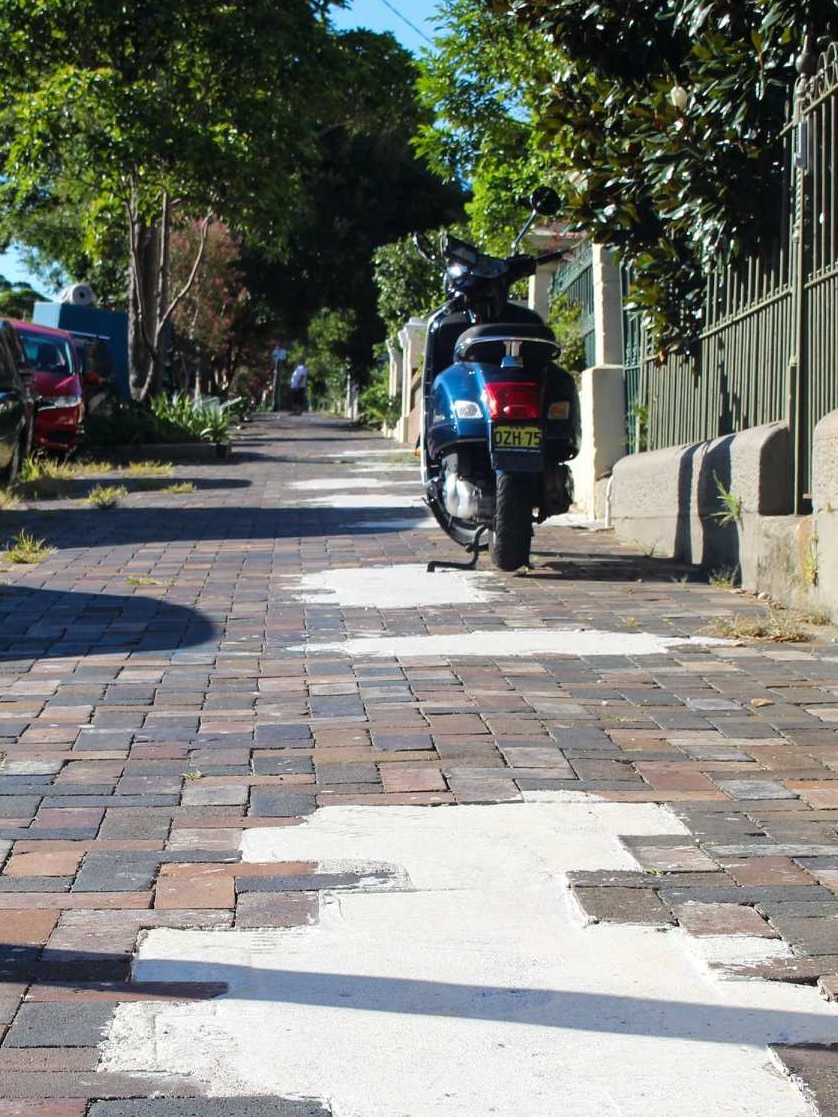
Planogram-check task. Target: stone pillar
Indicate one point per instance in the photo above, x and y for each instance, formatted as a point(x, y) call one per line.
point(603, 414)
point(540, 286)
point(394, 384)
point(412, 341)
point(608, 308)
point(602, 391)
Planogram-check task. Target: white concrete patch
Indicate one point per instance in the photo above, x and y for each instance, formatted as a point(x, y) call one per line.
point(366, 500)
point(338, 484)
point(393, 452)
point(508, 643)
point(392, 587)
point(421, 523)
point(477, 994)
point(389, 467)
point(727, 952)
point(579, 520)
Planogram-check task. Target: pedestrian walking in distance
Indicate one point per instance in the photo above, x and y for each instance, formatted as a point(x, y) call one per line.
point(299, 379)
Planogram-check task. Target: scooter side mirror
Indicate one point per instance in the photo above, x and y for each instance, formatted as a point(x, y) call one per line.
point(545, 201)
point(423, 245)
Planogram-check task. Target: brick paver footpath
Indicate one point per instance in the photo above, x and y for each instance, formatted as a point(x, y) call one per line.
point(158, 702)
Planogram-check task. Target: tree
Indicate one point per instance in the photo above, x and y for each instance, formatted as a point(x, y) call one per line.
point(480, 93)
point(369, 189)
point(407, 284)
point(327, 357)
point(207, 342)
point(658, 123)
point(672, 115)
point(137, 115)
point(17, 300)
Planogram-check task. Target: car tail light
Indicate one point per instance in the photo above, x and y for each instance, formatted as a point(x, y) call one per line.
point(512, 399)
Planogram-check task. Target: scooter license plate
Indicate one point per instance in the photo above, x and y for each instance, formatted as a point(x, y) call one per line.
point(516, 438)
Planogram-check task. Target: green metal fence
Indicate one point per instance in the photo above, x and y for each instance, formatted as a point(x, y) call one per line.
point(637, 418)
point(574, 282)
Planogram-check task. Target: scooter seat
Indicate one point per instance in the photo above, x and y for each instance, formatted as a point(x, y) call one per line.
point(487, 343)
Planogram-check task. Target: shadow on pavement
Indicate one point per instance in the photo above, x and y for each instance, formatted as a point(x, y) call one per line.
point(546, 1008)
point(88, 528)
point(42, 622)
point(80, 487)
point(610, 567)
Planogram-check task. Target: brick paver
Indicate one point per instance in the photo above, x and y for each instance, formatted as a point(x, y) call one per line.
point(151, 712)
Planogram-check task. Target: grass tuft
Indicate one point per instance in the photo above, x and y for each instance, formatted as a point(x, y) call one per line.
point(106, 496)
point(149, 469)
point(26, 550)
point(773, 625)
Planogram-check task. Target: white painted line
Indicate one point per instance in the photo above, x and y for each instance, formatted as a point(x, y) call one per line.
point(506, 643)
point(480, 992)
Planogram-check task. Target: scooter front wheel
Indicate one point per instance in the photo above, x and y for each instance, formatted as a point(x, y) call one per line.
point(509, 547)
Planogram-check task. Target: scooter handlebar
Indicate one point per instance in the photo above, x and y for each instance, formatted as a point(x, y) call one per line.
point(548, 257)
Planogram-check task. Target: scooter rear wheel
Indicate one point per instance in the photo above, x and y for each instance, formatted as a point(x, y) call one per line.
point(509, 547)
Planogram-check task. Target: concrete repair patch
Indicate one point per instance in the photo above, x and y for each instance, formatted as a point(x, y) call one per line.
point(392, 587)
point(341, 501)
point(480, 992)
point(341, 484)
point(508, 643)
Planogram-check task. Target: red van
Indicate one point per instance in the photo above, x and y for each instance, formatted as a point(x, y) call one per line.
point(60, 413)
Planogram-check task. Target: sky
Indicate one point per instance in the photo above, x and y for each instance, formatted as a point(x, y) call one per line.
point(412, 23)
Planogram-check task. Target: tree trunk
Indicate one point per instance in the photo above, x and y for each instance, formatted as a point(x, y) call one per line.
point(142, 304)
point(150, 307)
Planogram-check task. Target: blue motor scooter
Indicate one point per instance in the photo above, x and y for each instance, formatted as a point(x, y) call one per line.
point(500, 419)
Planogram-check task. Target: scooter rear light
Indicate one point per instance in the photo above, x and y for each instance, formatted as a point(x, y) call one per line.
point(512, 399)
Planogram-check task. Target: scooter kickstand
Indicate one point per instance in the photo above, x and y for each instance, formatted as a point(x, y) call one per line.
point(474, 548)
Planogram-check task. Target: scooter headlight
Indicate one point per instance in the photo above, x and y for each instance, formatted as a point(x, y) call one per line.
point(512, 399)
point(467, 409)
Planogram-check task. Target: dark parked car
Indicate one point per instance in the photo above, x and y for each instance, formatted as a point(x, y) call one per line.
point(17, 403)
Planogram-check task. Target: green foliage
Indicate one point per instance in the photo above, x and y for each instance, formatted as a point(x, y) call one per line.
point(482, 90)
point(26, 550)
point(369, 188)
point(327, 358)
point(665, 119)
point(408, 285)
point(204, 420)
point(188, 97)
point(377, 408)
point(731, 505)
point(166, 420)
point(565, 320)
point(657, 123)
point(17, 300)
point(207, 321)
point(106, 496)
